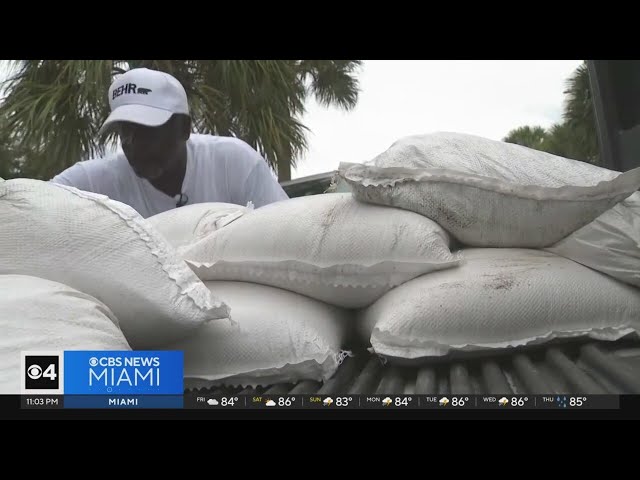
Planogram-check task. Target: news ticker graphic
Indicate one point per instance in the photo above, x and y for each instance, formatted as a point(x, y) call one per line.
point(155, 379)
point(327, 402)
point(103, 373)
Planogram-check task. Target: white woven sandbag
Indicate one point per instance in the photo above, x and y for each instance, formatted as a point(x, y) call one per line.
point(328, 247)
point(41, 315)
point(610, 244)
point(105, 249)
point(482, 156)
point(276, 336)
point(185, 225)
point(500, 298)
point(486, 193)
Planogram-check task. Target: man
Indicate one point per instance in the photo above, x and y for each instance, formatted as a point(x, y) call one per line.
point(162, 164)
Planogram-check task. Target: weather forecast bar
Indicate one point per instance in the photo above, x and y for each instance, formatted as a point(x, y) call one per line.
point(440, 402)
point(325, 402)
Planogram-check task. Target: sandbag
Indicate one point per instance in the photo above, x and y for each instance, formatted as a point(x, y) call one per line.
point(185, 225)
point(41, 315)
point(275, 337)
point(482, 156)
point(488, 193)
point(104, 249)
point(498, 299)
point(328, 247)
point(610, 244)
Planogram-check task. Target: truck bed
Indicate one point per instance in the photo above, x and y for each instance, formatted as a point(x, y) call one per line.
point(577, 368)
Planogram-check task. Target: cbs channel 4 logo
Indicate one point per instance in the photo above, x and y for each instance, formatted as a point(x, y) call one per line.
point(42, 372)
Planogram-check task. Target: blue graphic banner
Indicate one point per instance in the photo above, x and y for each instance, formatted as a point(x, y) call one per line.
point(123, 372)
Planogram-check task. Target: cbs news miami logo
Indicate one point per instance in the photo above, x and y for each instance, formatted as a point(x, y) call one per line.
point(84, 372)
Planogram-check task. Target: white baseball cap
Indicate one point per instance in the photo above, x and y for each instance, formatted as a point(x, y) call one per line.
point(147, 97)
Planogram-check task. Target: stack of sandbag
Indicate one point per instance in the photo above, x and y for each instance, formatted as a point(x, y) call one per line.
point(104, 249)
point(327, 247)
point(495, 194)
point(289, 271)
point(41, 315)
point(273, 335)
point(511, 200)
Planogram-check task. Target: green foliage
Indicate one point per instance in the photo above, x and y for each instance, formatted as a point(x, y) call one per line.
point(533, 137)
point(576, 136)
point(53, 109)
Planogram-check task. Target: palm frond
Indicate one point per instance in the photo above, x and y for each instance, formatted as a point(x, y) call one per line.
point(333, 82)
point(579, 115)
point(53, 109)
point(56, 108)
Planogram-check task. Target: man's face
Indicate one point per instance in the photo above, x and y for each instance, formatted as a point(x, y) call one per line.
point(151, 151)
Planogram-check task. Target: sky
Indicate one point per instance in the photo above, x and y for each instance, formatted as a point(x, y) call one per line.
point(401, 98)
point(406, 97)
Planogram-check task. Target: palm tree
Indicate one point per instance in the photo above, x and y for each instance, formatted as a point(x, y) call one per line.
point(579, 115)
point(532, 137)
point(576, 136)
point(54, 108)
point(561, 140)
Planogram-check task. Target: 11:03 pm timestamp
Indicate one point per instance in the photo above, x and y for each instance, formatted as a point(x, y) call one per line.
point(41, 401)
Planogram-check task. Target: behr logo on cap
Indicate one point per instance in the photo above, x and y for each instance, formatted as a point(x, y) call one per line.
point(129, 88)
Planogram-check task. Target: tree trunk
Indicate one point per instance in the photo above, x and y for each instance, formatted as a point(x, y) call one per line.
point(284, 168)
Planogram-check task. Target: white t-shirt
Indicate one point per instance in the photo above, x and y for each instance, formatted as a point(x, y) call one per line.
point(219, 169)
